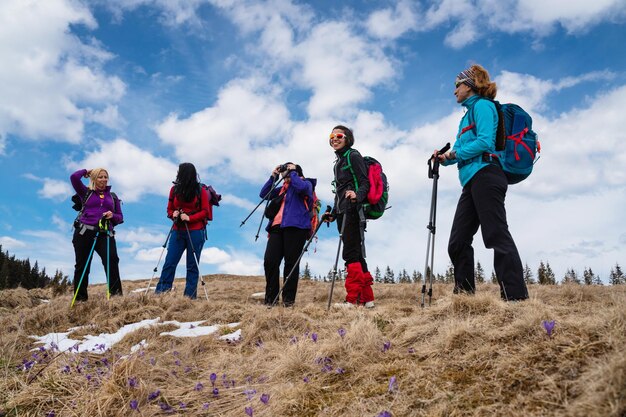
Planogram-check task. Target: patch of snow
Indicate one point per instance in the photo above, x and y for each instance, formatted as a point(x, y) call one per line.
point(104, 341)
point(232, 337)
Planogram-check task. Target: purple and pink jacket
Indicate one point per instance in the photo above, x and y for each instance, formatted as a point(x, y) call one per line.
point(295, 212)
point(96, 206)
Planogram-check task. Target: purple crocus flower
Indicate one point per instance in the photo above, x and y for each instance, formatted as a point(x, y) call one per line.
point(134, 404)
point(152, 361)
point(66, 369)
point(213, 377)
point(293, 340)
point(386, 346)
point(249, 411)
point(216, 392)
point(549, 326)
point(205, 406)
point(314, 337)
point(306, 379)
point(340, 371)
point(182, 404)
point(265, 398)
point(177, 362)
point(384, 414)
point(342, 332)
point(249, 393)
point(392, 384)
point(154, 395)
point(199, 386)
point(165, 406)
point(51, 414)
point(411, 350)
point(132, 382)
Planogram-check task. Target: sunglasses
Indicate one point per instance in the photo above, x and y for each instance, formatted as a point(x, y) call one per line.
point(457, 83)
point(337, 136)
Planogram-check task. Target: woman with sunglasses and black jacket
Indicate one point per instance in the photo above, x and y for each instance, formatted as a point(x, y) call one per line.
point(351, 187)
point(484, 190)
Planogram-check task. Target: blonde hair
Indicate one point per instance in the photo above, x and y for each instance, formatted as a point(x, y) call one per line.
point(93, 176)
point(484, 86)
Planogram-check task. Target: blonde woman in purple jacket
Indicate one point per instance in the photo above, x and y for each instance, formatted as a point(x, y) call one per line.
point(101, 211)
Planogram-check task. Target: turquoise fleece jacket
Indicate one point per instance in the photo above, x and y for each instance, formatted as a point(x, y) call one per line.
point(472, 143)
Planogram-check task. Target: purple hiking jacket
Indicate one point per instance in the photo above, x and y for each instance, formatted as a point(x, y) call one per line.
point(95, 206)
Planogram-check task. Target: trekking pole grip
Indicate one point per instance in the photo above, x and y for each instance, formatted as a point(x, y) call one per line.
point(433, 168)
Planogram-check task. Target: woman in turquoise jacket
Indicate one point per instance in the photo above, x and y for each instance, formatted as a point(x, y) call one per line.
point(484, 190)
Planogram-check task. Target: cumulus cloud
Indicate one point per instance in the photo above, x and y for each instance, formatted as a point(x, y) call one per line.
point(52, 189)
point(132, 170)
point(539, 18)
point(392, 22)
point(9, 243)
point(55, 82)
point(248, 116)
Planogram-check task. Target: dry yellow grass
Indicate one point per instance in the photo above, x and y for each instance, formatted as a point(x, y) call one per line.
point(463, 356)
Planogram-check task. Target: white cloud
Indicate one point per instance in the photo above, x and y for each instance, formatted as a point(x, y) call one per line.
point(243, 126)
point(52, 189)
point(213, 255)
point(132, 170)
point(391, 23)
point(9, 243)
point(55, 82)
point(470, 19)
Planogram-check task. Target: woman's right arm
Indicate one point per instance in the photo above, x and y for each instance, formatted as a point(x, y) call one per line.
point(267, 187)
point(170, 204)
point(77, 183)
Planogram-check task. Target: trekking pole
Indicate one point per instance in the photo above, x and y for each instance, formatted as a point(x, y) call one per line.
point(263, 199)
point(433, 172)
point(306, 246)
point(332, 284)
point(108, 261)
point(160, 256)
point(258, 231)
point(80, 281)
point(197, 263)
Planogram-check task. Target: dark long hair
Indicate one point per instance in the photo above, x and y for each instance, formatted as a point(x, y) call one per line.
point(186, 185)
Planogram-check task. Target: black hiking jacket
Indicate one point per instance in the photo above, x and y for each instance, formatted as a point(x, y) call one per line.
point(344, 180)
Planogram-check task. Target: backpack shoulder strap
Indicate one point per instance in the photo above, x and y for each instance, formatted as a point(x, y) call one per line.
point(500, 132)
point(347, 156)
point(82, 207)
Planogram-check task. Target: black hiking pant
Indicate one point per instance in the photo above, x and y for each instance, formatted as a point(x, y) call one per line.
point(482, 204)
point(82, 247)
point(287, 243)
point(352, 242)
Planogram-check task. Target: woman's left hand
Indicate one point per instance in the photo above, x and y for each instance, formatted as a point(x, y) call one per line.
point(351, 195)
point(107, 215)
point(184, 217)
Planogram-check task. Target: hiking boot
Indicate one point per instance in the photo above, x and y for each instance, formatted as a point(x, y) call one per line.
point(369, 304)
point(344, 304)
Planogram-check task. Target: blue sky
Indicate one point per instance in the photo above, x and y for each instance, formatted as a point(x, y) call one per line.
point(237, 87)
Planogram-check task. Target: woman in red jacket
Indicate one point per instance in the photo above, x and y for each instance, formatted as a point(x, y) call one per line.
point(188, 207)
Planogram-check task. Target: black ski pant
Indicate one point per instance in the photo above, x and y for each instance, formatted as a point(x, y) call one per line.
point(287, 243)
point(352, 241)
point(82, 247)
point(482, 204)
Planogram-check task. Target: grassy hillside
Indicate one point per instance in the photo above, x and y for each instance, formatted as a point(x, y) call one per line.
point(463, 356)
